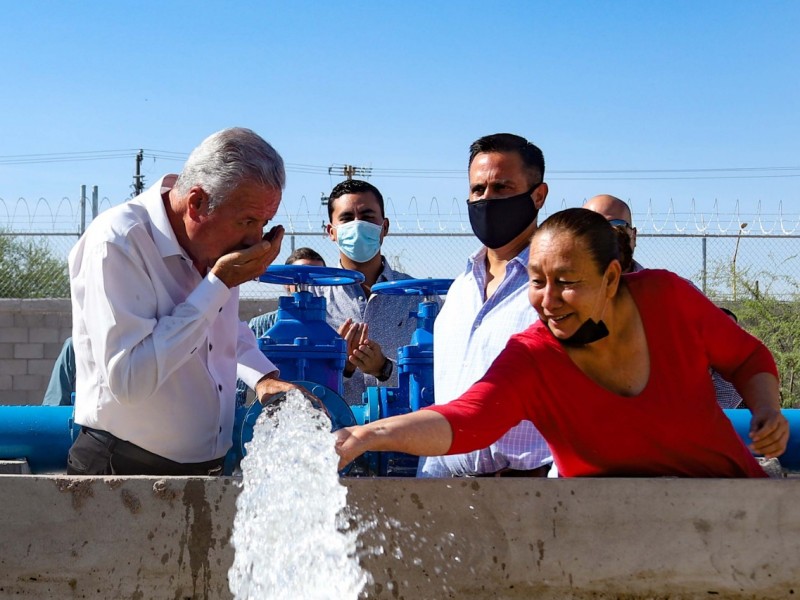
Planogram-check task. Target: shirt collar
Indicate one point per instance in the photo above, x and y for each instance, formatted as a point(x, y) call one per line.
point(386, 274)
point(477, 260)
point(163, 235)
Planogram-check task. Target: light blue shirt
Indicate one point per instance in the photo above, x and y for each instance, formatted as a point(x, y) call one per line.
point(391, 319)
point(469, 333)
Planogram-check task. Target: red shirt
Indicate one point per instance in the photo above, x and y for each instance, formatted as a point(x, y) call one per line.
point(674, 427)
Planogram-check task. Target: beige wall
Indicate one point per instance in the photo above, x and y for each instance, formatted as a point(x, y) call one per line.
point(31, 335)
point(553, 539)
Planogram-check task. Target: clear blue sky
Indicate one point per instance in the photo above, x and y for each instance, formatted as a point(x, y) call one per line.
point(599, 86)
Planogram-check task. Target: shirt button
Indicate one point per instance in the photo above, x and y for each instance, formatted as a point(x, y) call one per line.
point(220, 310)
point(219, 386)
point(210, 347)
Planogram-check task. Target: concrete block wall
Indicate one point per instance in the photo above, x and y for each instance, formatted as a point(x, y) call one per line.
point(31, 335)
point(32, 332)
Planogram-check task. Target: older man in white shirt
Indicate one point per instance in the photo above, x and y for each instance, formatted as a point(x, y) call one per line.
point(158, 341)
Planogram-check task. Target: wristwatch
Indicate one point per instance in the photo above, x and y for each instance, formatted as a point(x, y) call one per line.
point(386, 370)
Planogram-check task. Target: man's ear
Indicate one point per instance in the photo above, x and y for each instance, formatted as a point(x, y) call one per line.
point(385, 231)
point(331, 232)
point(539, 195)
point(197, 203)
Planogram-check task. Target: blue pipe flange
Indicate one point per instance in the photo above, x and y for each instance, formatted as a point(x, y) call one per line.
point(304, 275)
point(247, 416)
point(413, 287)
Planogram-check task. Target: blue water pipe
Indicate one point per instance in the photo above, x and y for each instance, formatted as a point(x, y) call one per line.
point(414, 375)
point(42, 435)
point(741, 417)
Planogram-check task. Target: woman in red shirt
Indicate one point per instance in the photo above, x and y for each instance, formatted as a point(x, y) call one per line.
point(614, 374)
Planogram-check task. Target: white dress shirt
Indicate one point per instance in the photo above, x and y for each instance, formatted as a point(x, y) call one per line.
point(469, 333)
point(156, 344)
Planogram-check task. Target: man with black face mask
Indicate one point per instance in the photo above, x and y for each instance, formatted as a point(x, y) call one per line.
point(488, 301)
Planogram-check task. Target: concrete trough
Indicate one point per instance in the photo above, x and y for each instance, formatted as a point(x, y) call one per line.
point(146, 538)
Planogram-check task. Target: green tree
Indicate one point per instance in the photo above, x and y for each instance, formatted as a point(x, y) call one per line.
point(28, 269)
point(768, 306)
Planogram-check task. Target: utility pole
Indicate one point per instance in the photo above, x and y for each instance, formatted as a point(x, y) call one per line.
point(350, 171)
point(138, 179)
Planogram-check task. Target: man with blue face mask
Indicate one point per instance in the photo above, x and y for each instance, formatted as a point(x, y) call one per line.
point(374, 325)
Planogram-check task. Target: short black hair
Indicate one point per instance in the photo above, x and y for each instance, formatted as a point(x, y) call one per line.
point(353, 186)
point(531, 155)
point(304, 254)
point(730, 313)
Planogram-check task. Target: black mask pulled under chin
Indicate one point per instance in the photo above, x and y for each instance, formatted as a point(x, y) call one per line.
point(589, 332)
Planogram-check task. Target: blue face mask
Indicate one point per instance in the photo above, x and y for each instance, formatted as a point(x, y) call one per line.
point(359, 240)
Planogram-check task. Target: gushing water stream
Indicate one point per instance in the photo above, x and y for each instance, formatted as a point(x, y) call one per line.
point(290, 535)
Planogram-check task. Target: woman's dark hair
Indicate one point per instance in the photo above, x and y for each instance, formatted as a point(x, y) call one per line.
point(625, 250)
point(601, 239)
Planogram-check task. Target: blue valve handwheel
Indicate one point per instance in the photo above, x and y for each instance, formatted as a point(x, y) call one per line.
point(413, 287)
point(310, 275)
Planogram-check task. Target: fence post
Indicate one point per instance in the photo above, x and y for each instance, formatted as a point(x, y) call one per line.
point(94, 202)
point(83, 209)
point(705, 258)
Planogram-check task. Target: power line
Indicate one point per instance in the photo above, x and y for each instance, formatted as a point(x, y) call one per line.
point(411, 173)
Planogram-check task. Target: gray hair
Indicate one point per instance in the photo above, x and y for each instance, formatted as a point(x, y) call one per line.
point(226, 159)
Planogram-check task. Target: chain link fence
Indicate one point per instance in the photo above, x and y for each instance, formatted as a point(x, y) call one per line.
point(754, 271)
point(725, 266)
point(33, 264)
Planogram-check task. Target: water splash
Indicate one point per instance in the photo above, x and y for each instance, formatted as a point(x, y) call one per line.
point(291, 533)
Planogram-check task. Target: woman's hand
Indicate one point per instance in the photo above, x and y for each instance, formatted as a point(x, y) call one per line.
point(422, 432)
point(769, 429)
point(348, 445)
point(769, 432)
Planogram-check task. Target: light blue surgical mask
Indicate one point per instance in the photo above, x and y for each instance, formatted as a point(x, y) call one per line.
point(359, 240)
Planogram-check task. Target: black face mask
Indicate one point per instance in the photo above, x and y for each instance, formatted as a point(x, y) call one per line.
point(591, 331)
point(497, 221)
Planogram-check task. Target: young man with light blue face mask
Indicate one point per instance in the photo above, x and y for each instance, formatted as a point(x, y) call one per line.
point(374, 325)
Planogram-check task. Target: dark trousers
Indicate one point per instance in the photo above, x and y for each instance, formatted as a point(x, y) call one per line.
point(96, 452)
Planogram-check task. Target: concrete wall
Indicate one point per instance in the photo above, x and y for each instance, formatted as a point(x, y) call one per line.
point(149, 538)
point(31, 335)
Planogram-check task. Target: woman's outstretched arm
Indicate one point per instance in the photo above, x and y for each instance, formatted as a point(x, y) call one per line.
point(423, 433)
